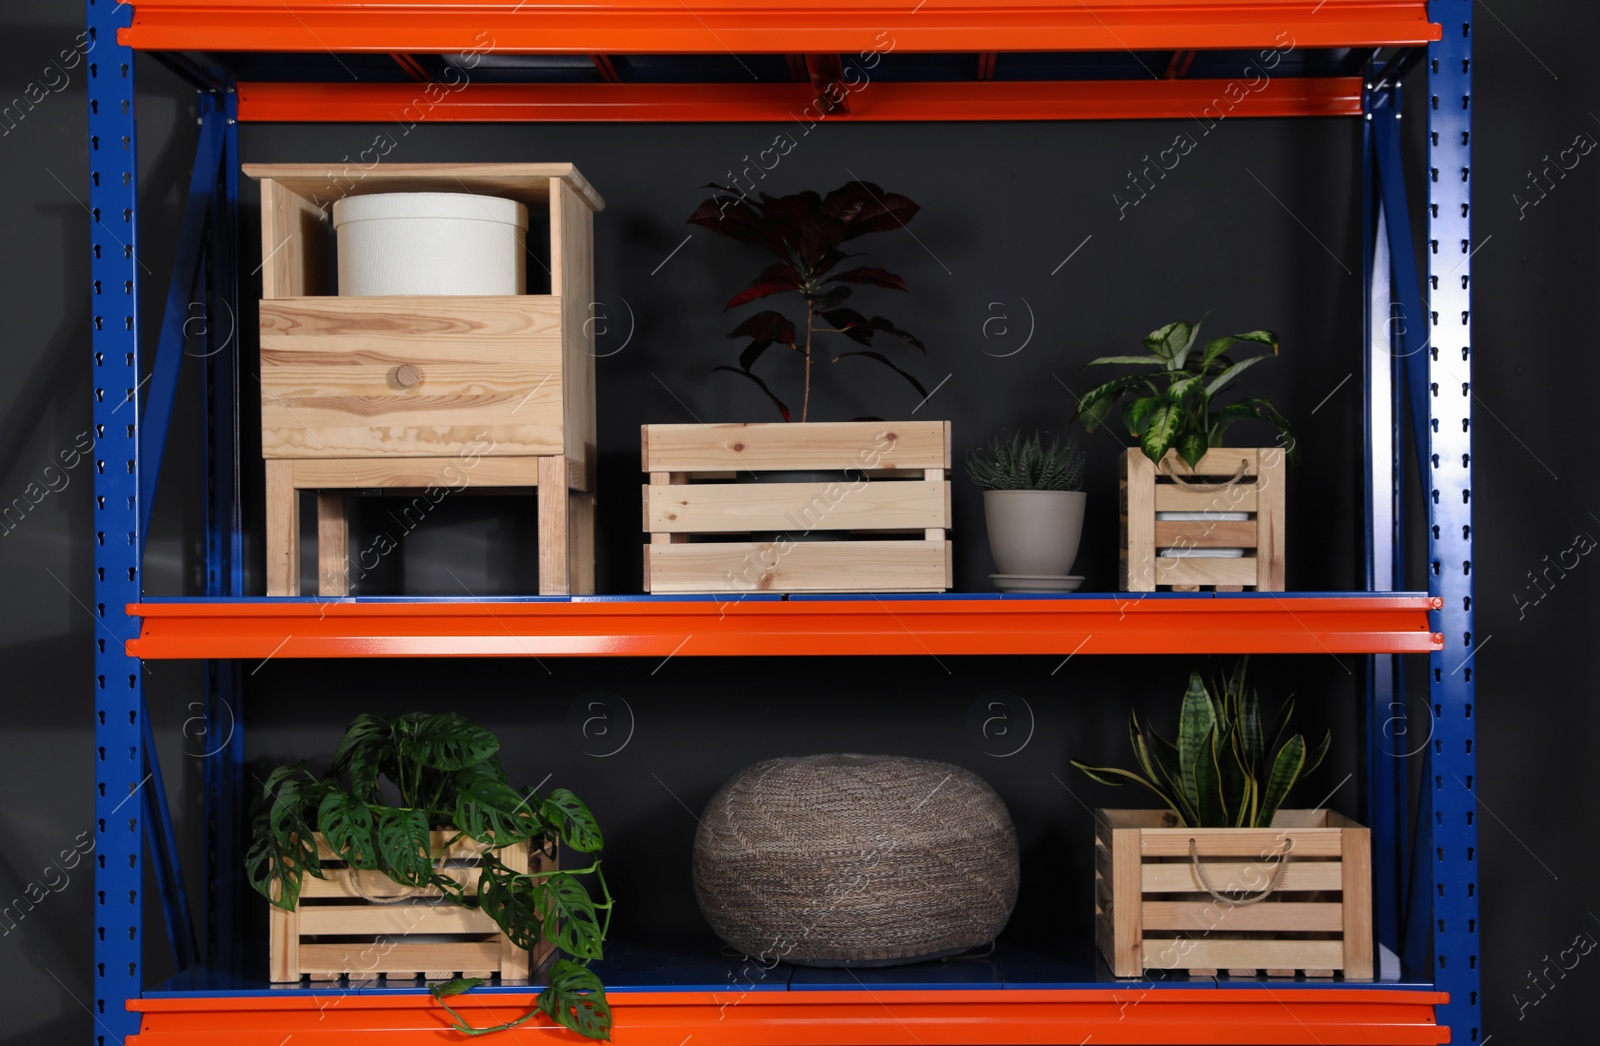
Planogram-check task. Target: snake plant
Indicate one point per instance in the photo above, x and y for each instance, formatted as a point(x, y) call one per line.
point(444, 773)
point(1222, 773)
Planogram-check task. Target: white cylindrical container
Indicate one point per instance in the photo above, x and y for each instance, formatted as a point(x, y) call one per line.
point(1207, 516)
point(420, 243)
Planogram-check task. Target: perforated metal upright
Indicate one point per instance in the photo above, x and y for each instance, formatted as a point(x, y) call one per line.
point(119, 698)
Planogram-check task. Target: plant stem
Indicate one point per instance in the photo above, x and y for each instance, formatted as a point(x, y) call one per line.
point(805, 401)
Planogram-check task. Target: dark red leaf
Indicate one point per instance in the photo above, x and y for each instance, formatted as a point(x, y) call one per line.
point(859, 329)
point(782, 408)
point(881, 358)
point(819, 234)
point(872, 277)
point(773, 326)
point(882, 213)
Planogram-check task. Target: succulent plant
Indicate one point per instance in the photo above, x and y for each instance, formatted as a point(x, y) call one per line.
point(1026, 463)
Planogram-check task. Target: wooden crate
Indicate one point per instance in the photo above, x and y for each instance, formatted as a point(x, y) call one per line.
point(425, 395)
point(891, 499)
point(343, 928)
point(1153, 912)
point(1227, 480)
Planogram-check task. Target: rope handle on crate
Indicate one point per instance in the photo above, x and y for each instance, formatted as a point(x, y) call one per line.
point(1207, 488)
point(1272, 883)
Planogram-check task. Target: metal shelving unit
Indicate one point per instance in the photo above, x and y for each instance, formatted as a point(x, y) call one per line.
point(656, 60)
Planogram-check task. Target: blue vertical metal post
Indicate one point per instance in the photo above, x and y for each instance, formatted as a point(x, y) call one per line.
point(1388, 736)
point(1448, 480)
point(114, 269)
point(222, 740)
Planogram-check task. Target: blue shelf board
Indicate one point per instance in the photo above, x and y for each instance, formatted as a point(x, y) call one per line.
point(704, 964)
point(769, 597)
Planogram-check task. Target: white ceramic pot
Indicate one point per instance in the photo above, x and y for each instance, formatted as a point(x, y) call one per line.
point(420, 243)
point(1034, 532)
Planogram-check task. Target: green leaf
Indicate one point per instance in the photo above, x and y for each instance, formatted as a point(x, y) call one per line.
point(1181, 340)
point(1182, 387)
point(1191, 448)
point(573, 820)
point(1286, 769)
point(1137, 412)
point(1255, 755)
point(454, 986)
point(1315, 757)
point(448, 742)
point(350, 829)
point(282, 847)
point(1108, 775)
point(365, 753)
point(1159, 429)
point(1162, 771)
point(569, 915)
point(490, 811)
point(576, 998)
point(1132, 361)
point(1196, 720)
point(1232, 372)
point(403, 845)
point(1230, 769)
point(1208, 784)
point(1094, 405)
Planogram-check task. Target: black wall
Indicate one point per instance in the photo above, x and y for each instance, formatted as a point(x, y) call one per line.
point(1259, 222)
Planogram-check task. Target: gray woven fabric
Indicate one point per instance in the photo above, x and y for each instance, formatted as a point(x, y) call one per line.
point(842, 860)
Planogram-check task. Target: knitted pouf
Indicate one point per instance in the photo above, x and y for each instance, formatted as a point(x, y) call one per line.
point(855, 860)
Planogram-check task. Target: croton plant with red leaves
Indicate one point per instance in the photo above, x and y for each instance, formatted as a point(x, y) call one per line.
point(806, 232)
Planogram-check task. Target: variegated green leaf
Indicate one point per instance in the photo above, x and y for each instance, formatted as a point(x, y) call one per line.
point(1159, 429)
point(1232, 372)
point(1291, 759)
point(1196, 720)
point(1208, 785)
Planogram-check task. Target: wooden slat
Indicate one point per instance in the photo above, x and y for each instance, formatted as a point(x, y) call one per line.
point(454, 474)
point(1217, 465)
point(1271, 517)
point(333, 546)
point(1138, 538)
point(1173, 570)
point(334, 396)
point(1189, 953)
point(502, 316)
point(816, 445)
point(1242, 877)
point(398, 956)
point(720, 508)
point(1357, 898)
point(1170, 497)
point(748, 566)
point(1241, 842)
point(555, 566)
point(294, 233)
point(1213, 916)
point(526, 182)
point(581, 541)
point(394, 919)
point(572, 282)
point(463, 849)
point(283, 945)
point(283, 531)
point(337, 884)
point(1233, 533)
point(1127, 912)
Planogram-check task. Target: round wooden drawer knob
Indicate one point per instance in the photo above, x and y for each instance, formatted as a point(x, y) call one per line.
point(406, 376)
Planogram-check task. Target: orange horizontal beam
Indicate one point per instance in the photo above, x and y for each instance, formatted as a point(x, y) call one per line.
point(1001, 1017)
point(720, 26)
point(409, 104)
point(1126, 624)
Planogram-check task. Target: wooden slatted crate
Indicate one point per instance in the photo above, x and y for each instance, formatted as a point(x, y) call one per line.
point(1155, 911)
point(890, 501)
point(431, 395)
point(1227, 480)
point(344, 927)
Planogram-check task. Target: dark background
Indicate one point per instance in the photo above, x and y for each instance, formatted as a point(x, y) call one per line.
point(1260, 223)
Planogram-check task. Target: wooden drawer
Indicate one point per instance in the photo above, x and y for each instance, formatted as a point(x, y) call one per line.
point(411, 377)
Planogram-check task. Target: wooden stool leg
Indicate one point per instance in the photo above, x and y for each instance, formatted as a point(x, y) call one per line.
point(283, 530)
point(580, 511)
point(555, 576)
point(333, 545)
